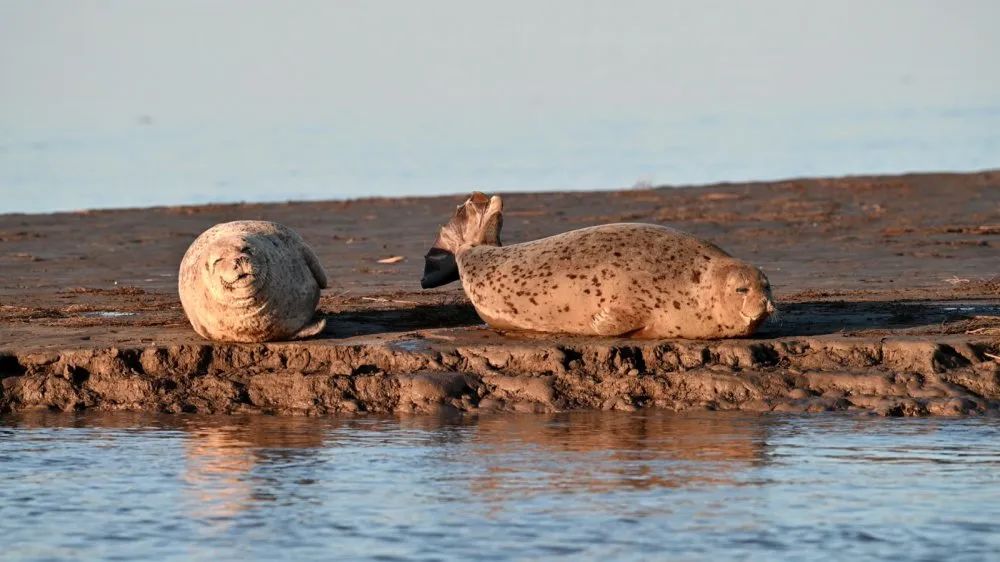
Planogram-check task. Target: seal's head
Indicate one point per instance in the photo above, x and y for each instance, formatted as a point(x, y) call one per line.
point(251, 281)
point(477, 222)
point(741, 297)
point(234, 269)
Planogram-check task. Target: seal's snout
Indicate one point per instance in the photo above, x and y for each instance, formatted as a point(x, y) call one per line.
point(236, 277)
point(766, 309)
point(755, 310)
point(235, 269)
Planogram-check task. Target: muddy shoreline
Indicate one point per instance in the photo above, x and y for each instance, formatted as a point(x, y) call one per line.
point(889, 289)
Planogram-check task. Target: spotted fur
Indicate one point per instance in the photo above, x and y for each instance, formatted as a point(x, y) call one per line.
point(627, 279)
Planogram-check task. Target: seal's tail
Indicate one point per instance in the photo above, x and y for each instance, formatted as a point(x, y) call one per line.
point(477, 222)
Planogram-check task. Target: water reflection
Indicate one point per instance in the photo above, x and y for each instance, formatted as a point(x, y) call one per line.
point(229, 462)
point(600, 451)
point(702, 485)
point(234, 462)
point(222, 458)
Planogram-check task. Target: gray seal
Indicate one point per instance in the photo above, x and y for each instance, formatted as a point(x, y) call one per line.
point(251, 281)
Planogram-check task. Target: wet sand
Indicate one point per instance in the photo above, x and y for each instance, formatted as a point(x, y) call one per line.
point(889, 289)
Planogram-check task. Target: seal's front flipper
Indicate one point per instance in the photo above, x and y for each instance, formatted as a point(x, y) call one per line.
point(314, 266)
point(440, 268)
point(614, 321)
point(310, 329)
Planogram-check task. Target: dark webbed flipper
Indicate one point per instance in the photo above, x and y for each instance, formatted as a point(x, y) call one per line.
point(440, 268)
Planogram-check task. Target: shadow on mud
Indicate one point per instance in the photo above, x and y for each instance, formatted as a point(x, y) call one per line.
point(421, 317)
point(794, 319)
point(818, 318)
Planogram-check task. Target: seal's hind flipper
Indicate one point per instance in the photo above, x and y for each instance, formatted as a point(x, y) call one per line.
point(311, 329)
point(477, 222)
point(440, 268)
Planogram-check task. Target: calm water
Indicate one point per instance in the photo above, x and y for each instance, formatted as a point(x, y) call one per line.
point(159, 163)
point(581, 485)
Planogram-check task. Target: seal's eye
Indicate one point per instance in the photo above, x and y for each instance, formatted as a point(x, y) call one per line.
point(743, 290)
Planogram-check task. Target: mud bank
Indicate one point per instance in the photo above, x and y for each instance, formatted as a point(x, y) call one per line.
point(889, 290)
point(455, 370)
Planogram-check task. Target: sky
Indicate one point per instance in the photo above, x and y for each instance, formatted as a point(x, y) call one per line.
point(447, 74)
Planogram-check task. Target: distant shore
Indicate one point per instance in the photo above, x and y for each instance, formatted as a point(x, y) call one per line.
point(889, 288)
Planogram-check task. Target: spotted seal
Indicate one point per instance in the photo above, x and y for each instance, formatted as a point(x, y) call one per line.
point(627, 279)
point(251, 281)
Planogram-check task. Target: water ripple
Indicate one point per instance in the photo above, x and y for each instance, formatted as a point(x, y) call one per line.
point(578, 485)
